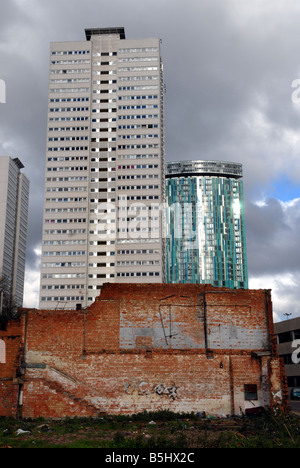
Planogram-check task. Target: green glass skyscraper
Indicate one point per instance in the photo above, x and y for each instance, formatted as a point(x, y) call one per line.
point(206, 240)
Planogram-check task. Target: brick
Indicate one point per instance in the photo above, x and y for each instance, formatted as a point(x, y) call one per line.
point(144, 347)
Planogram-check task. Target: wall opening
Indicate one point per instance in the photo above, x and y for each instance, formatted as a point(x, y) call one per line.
point(2, 352)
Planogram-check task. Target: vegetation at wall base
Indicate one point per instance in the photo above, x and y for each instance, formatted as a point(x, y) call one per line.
point(162, 430)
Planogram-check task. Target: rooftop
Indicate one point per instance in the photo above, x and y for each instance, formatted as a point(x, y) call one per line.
point(18, 163)
point(206, 168)
point(101, 31)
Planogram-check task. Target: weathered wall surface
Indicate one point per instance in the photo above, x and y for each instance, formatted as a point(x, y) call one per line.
point(146, 347)
point(10, 359)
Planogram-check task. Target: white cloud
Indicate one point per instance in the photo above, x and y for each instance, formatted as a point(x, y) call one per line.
point(32, 282)
point(285, 289)
point(31, 289)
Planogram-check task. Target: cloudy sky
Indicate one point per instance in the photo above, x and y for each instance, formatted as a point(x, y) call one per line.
point(231, 69)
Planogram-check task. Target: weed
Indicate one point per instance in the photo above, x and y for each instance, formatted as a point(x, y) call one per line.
point(171, 430)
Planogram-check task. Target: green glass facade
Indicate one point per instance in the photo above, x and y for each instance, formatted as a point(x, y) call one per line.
point(206, 240)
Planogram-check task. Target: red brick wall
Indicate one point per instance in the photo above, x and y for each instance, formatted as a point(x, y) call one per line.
point(11, 346)
point(147, 347)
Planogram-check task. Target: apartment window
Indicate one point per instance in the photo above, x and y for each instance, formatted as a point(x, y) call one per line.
point(287, 359)
point(285, 337)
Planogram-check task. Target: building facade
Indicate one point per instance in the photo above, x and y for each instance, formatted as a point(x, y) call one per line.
point(104, 181)
point(14, 201)
point(206, 240)
point(288, 339)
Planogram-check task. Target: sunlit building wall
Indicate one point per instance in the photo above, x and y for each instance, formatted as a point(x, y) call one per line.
point(14, 203)
point(104, 179)
point(206, 240)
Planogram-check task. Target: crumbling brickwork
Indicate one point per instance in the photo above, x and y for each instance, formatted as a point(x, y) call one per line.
point(144, 347)
point(10, 361)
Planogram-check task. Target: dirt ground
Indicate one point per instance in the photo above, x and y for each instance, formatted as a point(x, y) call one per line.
point(153, 431)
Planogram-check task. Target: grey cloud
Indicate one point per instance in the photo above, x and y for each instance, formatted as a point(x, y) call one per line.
point(228, 68)
point(273, 238)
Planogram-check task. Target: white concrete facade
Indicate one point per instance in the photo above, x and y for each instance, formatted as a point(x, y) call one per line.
point(104, 182)
point(14, 201)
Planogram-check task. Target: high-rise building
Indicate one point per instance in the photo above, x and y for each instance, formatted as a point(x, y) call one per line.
point(104, 181)
point(14, 201)
point(206, 240)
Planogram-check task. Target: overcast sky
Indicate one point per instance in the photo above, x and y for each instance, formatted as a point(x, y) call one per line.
point(229, 69)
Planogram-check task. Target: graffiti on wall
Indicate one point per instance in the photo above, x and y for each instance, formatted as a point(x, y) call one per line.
point(144, 388)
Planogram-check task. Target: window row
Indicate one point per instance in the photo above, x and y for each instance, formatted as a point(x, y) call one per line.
point(71, 232)
point(65, 210)
point(77, 138)
point(138, 166)
point(129, 147)
point(138, 126)
point(70, 62)
point(70, 90)
point(63, 276)
point(138, 176)
point(63, 286)
point(69, 71)
point(138, 49)
point(79, 99)
point(71, 80)
point(71, 52)
point(64, 254)
point(68, 119)
point(136, 69)
point(66, 189)
point(65, 242)
point(138, 59)
point(139, 78)
point(138, 263)
point(138, 187)
point(137, 197)
point(138, 156)
point(137, 97)
point(65, 221)
point(69, 109)
point(69, 148)
point(137, 137)
point(146, 106)
point(138, 252)
point(137, 88)
point(137, 274)
point(63, 265)
point(68, 129)
point(138, 116)
point(62, 299)
point(67, 179)
point(66, 200)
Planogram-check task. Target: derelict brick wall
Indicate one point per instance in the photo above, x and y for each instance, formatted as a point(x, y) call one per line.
point(129, 383)
point(233, 318)
point(151, 347)
point(11, 349)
